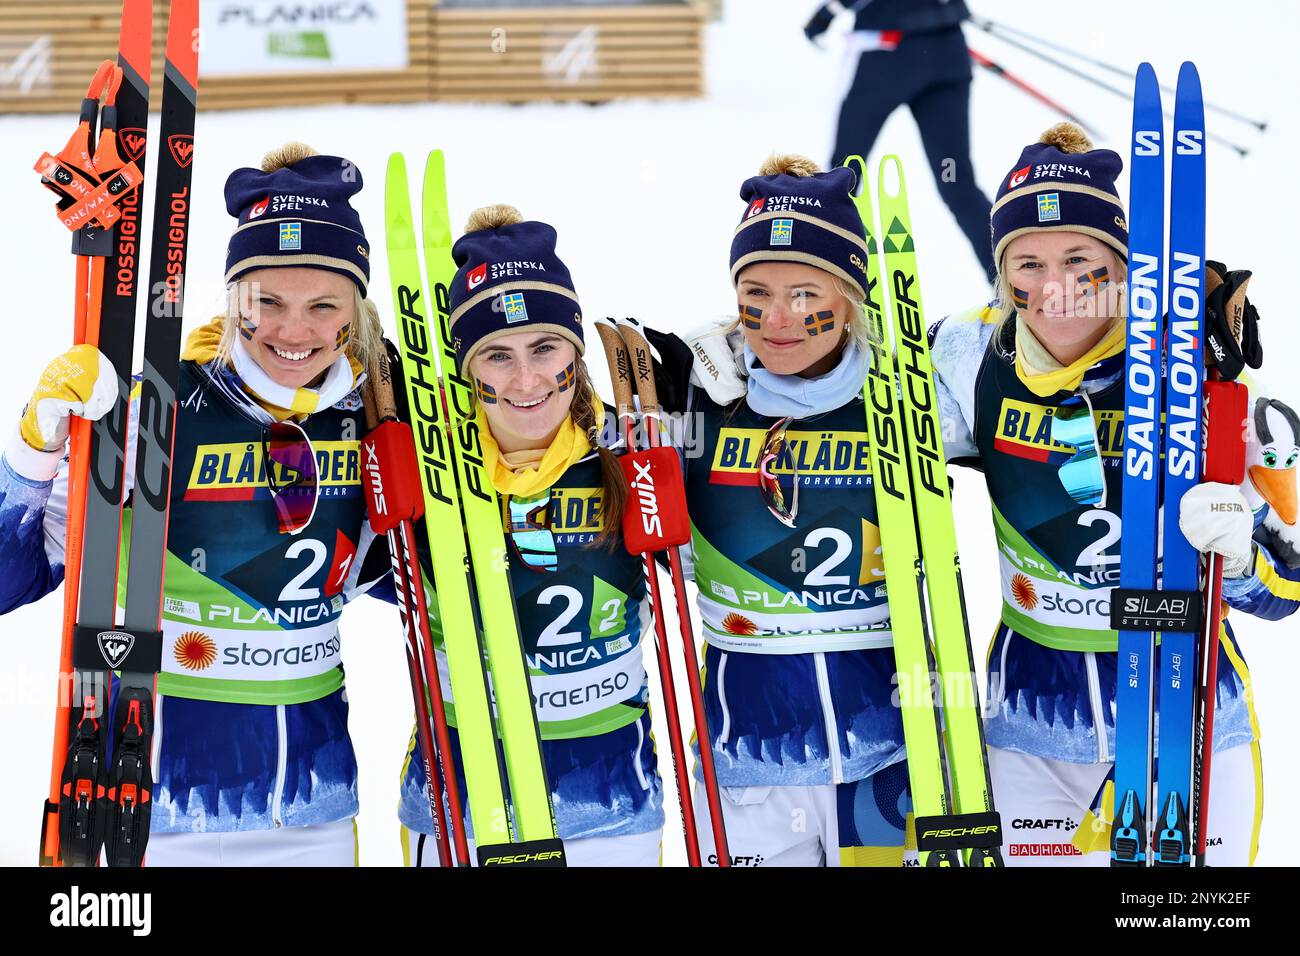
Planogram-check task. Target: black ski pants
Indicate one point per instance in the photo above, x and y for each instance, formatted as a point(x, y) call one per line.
point(931, 73)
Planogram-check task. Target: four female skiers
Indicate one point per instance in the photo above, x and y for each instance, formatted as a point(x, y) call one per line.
point(1051, 346)
point(266, 534)
point(799, 666)
point(253, 760)
point(580, 596)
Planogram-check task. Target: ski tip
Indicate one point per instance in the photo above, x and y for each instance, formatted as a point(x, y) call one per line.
point(1189, 110)
point(396, 164)
point(1187, 73)
point(1145, 82)
point(435, 160)
point(892, 167)
point(859, 167)
point(182, 50)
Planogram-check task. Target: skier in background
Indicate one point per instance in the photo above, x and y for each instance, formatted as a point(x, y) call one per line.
point(253, 762)
point(799, 661)
point(1051, 343)
point(912, 52)
point(579, 595)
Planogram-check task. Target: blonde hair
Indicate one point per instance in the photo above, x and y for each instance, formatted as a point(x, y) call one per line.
point(366, 335)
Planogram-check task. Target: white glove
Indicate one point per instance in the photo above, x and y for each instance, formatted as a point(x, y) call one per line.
point(719, 366)
point(1215, 517)
point(79, 382)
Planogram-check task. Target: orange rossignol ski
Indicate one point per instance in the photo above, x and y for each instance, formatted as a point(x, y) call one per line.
point(104, 316)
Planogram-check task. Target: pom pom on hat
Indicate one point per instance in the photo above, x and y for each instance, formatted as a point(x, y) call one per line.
point(1067, 137)
point(286, 155)
point(493, 217)
point(792, 164)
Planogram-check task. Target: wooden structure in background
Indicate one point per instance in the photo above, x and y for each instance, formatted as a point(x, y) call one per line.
point(49, 49)
point(560, 52)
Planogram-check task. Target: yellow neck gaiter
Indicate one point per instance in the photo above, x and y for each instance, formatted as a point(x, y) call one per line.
point(528, 472)
point(1044, 375)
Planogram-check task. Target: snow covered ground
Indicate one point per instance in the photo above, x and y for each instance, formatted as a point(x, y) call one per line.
point(644, 195)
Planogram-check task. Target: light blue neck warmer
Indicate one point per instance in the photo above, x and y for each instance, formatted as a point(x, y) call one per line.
point(777, 396)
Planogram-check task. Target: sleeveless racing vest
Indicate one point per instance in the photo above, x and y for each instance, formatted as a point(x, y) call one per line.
point(768, 588)
point(1058, 560)
point(250, 614)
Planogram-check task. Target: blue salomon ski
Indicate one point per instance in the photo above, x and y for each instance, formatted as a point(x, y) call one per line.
point(1161, 463)
point(1134, 692)
point(1184, 374)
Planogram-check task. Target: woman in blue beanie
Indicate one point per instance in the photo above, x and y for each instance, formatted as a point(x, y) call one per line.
point(253, 765)
point(580, 597)
point(799, 663)
point(1053, 339)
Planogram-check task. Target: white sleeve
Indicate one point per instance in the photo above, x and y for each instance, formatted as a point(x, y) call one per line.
point(957, 352)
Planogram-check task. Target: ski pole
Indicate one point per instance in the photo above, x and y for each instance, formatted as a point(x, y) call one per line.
point(1222, 141)
point(394, 499)
point(1225, 461)
point(642, 362)
point(994, 28)
point(999, 70)
point(620, 370)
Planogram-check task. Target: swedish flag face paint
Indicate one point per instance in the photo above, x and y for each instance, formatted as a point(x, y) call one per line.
point(247, 327)
point(751, 317)
point(343, 337)
point(818, 323)
point(1019, 298)
point(565, 378)
point(1091, 283)
point(487, 394)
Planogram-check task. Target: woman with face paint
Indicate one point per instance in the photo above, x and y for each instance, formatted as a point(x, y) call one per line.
point(266, 535)
point(799, 663)
point(1032, 392)
point(580, 597)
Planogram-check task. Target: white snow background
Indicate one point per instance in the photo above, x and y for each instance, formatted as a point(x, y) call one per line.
point(644, 196)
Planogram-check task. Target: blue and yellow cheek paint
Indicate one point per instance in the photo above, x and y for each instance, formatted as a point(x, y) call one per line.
point(817, 323)
point(1091, 283)
point(564, 380)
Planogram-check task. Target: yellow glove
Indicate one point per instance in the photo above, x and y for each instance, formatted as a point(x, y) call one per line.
point(80, 382)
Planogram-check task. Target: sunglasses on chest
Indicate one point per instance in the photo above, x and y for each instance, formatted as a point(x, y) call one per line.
point(291, 474)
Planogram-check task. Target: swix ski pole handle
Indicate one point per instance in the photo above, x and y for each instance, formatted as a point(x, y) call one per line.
point(643, 368)
point(379, 390)
point(620, 367)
